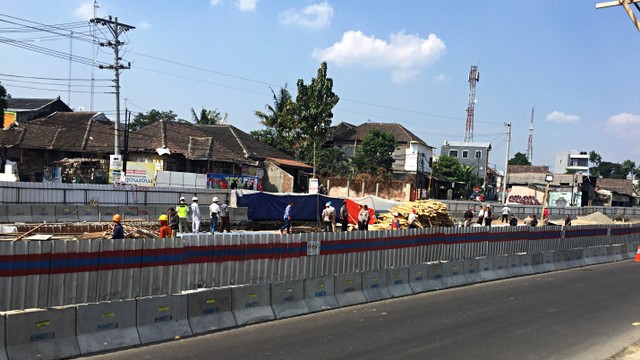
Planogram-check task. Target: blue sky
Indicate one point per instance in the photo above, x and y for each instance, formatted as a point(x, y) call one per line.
point(391, 61)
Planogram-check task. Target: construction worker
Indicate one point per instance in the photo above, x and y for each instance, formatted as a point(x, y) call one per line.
point(214, 212)
point(165, 229)
point(195, 215)
point(395, 222)
point(174, 222)
point(118, 231)
point(183, 215)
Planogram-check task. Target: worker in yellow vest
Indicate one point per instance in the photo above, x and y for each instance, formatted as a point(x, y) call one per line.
point(183, 214)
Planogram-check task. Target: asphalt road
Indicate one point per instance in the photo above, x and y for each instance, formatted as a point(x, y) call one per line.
point(582, 314)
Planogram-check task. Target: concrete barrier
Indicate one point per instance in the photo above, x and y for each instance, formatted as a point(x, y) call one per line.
point(3, 351)
point(526, 263)
point(210, 310)
point(375, 286)
point(287, 299)
point(573, 258)
point(588, 256)
point(485, 266)
point(90, 213)
point(105, 213)
point(162, 318)
point(615, 252)
point(454, 273)
point(601, 254)
point(42, 334)
point(43, 213)
point(513, 263)
point(251, 304)
point(349, 289)
point(3, 214)
point(435, 275)
point(66, 213)
point(19, 213)
point(106, 326)
point(419, 278)
point(319, 293)
point(398, 281)
point(471, 269)
point(500, 266)
point(560, 260)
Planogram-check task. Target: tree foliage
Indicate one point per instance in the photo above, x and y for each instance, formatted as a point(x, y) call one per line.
point(141, 120)
point(611, 170)
point(519, 159)
point(374, 155)
point(3, 101)
point(272, 137)
point(447, 166)
point(332, 162)
point(206, 117)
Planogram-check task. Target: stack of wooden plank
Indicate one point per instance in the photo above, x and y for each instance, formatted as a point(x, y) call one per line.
point(429, 213)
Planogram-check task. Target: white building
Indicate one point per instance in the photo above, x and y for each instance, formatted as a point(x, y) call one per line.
point(573, 160)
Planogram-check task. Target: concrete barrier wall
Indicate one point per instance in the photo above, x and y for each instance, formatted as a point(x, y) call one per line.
point(3, 351)
point(106, 326)
point(210, 309)
point(63, 272)
point(162, 318)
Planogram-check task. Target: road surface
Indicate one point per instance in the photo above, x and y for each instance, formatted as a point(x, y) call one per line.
point(586, 313)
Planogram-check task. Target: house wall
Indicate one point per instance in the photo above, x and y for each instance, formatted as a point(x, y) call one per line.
point(275, 179)
point(471, 159)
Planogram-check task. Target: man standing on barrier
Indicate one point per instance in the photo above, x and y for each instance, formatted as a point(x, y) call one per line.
point(224, 216)
point(195, 215)
point(214, 212)
point(174, 222)
point(183, 215)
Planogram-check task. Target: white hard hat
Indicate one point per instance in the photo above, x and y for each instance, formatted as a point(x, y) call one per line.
point(195, 198)
point(182, 198)
point(215, 199)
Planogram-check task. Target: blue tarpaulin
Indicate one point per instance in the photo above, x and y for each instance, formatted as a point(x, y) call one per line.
point(270, 206)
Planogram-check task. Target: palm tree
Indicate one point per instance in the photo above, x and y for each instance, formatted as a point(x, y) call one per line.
point(207, 117)
point(332, 161)
point(466, 173)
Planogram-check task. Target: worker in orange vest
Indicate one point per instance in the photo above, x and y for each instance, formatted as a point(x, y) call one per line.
point(165, 229)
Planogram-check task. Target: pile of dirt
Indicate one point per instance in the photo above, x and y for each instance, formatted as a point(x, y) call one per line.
point(596, 218)
point(429, 213)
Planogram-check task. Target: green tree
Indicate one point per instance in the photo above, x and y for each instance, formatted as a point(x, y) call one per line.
point(206, 117)
point(313, 110)
point(466, 174)
point(374, 155)
point(447, 166)
point(519, 159)
point(282, 131)
point(628, 167)
point(272, 137)
point(3, 101)
point(332, 162)
point(141, 120)
point(595, 158)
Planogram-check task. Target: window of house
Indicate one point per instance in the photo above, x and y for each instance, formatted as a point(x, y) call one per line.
point(465, 154)
point(453, 153)
point(478, 154)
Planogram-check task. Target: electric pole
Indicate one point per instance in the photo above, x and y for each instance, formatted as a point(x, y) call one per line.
point(530, 142)
point(116, 30)
point(506, 165)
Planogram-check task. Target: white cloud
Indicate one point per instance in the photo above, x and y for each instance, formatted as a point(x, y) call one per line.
point(404, 54)
point(561, 117)
point(624, 125)
point(84, 11)
point(440, 78)
point(144, 25)
point(247, 5)
point(316, 16)
point(215, 2)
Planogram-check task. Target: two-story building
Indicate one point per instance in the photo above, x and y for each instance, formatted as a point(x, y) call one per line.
point(572, 161)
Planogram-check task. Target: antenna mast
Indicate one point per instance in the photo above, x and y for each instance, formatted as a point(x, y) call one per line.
point(530, 143)
point(474, 77)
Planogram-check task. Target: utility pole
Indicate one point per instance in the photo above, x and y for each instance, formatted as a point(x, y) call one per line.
point(506, 165)
point(530, 142)
point(116, 30)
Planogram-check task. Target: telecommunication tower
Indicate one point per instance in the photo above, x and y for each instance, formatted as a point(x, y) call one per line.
point(530, 143)
point(474, 77)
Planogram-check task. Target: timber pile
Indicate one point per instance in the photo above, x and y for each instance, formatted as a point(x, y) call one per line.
point(429, 213)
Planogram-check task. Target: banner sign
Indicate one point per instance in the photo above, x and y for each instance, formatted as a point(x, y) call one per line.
point(141, 173)
point(222, 181)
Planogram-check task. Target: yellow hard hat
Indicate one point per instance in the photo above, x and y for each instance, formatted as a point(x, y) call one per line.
point(116, 218)
point(163, 217)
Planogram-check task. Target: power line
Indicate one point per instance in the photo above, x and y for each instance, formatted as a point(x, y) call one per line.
point(46, 83)
point(49, 52)
point(48, 78)
point(56, 90)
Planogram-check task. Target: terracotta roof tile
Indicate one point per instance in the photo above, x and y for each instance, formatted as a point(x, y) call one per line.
point(241, 142)
point(620, 186)
point(400, 133)
point(528, 169)
point(290, 163)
